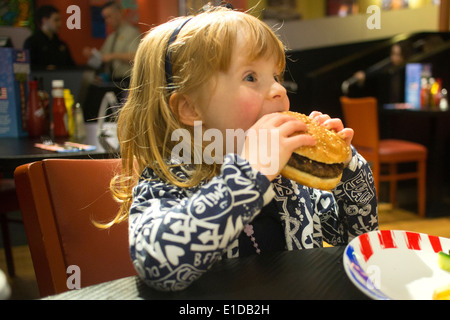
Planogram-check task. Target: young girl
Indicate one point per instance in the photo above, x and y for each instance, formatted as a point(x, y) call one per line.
point(222, 68)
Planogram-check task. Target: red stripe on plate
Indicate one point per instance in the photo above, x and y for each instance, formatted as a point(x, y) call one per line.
point(366, 247)
point(386, 239)
point(435, 243)
point(413, 240)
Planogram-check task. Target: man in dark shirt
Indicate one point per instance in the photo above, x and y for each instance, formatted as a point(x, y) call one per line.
point(46, 49)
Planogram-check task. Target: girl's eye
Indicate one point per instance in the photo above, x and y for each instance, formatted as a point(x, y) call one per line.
point(250, 78)
point(277, 78)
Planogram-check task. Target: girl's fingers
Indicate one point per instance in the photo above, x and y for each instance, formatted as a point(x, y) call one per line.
point(281, 119)
point(347, 135)
point(299, 140)
point(319, 117)
point(315, 114)
point(287, 125)
point(292, 126)
point(333, 124)
point(326, 121)
point(270, 120)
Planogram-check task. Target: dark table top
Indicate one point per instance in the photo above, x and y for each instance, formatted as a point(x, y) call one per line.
point(289, 275)
point(17, 151)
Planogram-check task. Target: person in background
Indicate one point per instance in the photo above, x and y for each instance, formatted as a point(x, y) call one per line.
point(385, 80)
point(120, 46)
point(46, 49)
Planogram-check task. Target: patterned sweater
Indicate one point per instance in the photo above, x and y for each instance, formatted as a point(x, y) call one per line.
point(176, 234)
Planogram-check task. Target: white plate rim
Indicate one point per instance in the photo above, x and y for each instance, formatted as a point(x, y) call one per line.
point(358, 275)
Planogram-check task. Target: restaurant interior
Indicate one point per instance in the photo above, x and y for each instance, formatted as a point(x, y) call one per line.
point(328, 43)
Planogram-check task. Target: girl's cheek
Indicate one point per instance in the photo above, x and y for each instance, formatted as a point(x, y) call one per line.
point(251, 106)
point(249, 115)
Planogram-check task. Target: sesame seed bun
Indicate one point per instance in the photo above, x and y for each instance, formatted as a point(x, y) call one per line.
point(319, 166)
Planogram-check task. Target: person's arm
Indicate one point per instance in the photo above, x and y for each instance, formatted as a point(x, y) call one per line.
point(176, 236)
point(124, 56)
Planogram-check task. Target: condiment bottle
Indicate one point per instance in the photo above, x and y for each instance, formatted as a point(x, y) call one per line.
point(45, 100)
point(443, 103)
point(35, 112)
point(80, 130)
point(68, 99)
point(59, 123)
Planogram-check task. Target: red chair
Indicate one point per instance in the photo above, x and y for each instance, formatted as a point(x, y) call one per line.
point(8, 203)
point(361, 114)
point(59, 200)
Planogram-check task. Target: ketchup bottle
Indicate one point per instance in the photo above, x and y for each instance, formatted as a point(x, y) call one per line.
point(45, 100)
point(59, 123)
point(35, 112)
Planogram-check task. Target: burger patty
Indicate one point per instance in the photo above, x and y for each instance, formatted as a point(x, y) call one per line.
point(318, 169)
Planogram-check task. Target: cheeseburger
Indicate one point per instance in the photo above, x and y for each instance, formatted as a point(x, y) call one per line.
point(319, 166)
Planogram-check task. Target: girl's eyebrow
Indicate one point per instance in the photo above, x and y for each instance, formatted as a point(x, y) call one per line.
point(249, 64)
point(253, 67)
point(246, 63)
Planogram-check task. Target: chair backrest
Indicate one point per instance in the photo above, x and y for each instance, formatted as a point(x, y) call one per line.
point(361, 114)
point(59, 200)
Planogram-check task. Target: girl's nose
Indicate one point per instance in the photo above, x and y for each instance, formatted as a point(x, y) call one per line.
point(277, 91)
point(277, 97)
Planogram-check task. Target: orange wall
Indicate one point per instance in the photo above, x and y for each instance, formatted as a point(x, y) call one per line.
point(151, 13)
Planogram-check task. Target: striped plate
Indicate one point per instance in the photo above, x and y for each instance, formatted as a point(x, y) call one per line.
point(395, 264)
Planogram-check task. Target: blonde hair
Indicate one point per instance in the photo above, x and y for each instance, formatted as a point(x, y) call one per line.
point(202, 48)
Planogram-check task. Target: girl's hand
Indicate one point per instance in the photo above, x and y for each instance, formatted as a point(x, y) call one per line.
point(270, 142)
point(336, 125)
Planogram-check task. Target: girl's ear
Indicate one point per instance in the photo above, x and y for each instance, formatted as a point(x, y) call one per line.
point(184, 108)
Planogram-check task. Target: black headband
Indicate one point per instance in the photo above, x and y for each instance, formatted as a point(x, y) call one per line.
point(168, 63)
point(168, 57)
